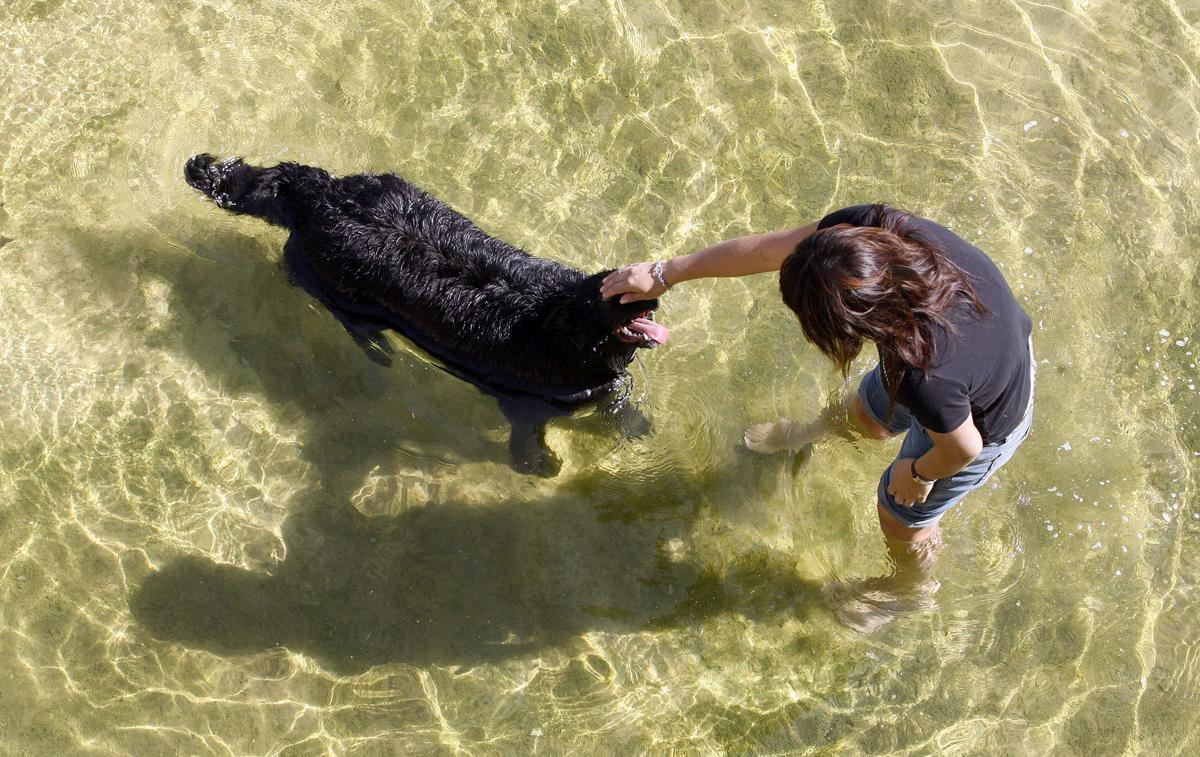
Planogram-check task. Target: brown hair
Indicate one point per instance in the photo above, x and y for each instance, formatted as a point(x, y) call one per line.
point(888, 281)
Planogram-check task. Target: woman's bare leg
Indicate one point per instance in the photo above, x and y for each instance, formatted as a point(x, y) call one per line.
point(845, 418)
point(865, 605)
point(914, 552)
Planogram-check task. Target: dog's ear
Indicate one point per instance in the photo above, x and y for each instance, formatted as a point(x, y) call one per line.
point(579, 316)
point(575, 312)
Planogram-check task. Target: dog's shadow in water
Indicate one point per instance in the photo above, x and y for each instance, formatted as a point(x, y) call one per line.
point(452, 584)
point(442, 583)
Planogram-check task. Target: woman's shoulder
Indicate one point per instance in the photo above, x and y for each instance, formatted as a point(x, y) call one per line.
point(854, 215)
point(881, 215)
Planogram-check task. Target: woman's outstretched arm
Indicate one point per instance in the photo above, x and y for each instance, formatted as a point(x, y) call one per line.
point(756, 253)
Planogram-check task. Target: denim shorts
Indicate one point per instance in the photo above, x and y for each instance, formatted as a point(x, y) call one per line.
point(946, 492)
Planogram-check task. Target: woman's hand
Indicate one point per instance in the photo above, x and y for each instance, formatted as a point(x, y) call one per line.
point(633, 282)
point(906, 490)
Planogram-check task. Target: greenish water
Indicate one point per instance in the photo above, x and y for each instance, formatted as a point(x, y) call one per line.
point(347, 564)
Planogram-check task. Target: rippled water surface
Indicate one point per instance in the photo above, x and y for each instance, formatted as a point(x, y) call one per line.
point(342, 561)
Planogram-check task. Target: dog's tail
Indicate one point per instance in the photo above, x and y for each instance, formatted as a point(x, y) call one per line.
point(242, 188)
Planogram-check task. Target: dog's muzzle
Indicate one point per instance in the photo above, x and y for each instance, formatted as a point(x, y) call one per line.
point(643, 331)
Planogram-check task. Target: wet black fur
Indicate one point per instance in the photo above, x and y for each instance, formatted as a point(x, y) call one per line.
point(381, 253)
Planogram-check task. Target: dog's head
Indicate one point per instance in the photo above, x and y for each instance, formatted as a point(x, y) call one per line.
point(605, 329)
point(223, 181)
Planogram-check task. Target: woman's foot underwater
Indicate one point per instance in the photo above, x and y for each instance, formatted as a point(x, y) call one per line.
point(836, 420)
point(864, 605)
point(766, 438)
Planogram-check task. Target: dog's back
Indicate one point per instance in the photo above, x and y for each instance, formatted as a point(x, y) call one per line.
point(410, 245)
point(381, 240)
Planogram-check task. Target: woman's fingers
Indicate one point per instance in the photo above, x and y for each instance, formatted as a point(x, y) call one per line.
point(901, 499)
point(612, 279)
point(634, 282)
point(615, 283)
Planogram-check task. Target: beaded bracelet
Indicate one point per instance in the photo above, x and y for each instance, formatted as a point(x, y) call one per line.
point(656, 271)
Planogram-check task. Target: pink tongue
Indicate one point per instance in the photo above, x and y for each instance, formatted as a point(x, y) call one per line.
point(649, 329)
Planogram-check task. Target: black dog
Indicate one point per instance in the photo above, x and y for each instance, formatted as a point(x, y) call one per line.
point(381, 253)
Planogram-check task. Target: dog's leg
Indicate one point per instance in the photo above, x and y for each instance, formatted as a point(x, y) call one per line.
point(527, 441)
point(626, 416)
point(366, 333)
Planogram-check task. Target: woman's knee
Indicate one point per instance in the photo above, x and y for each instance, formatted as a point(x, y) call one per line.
point(868, 426)
point(894, 529)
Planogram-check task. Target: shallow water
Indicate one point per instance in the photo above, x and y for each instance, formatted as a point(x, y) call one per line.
point(346, 564)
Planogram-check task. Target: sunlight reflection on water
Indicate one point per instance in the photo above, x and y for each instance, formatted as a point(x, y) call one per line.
point(228, 531)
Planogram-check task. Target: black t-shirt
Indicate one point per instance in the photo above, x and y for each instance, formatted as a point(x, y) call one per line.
point(982, 368)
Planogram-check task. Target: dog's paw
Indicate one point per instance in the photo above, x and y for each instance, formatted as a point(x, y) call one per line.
point(545, 465)
point(630, 421)
point(375, 346)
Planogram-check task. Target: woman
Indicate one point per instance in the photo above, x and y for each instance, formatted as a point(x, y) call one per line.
point(955, 370)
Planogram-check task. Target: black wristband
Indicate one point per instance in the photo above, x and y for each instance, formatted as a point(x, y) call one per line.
point(913, 467)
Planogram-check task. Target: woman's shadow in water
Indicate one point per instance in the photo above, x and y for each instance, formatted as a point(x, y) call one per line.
point(442, 583)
